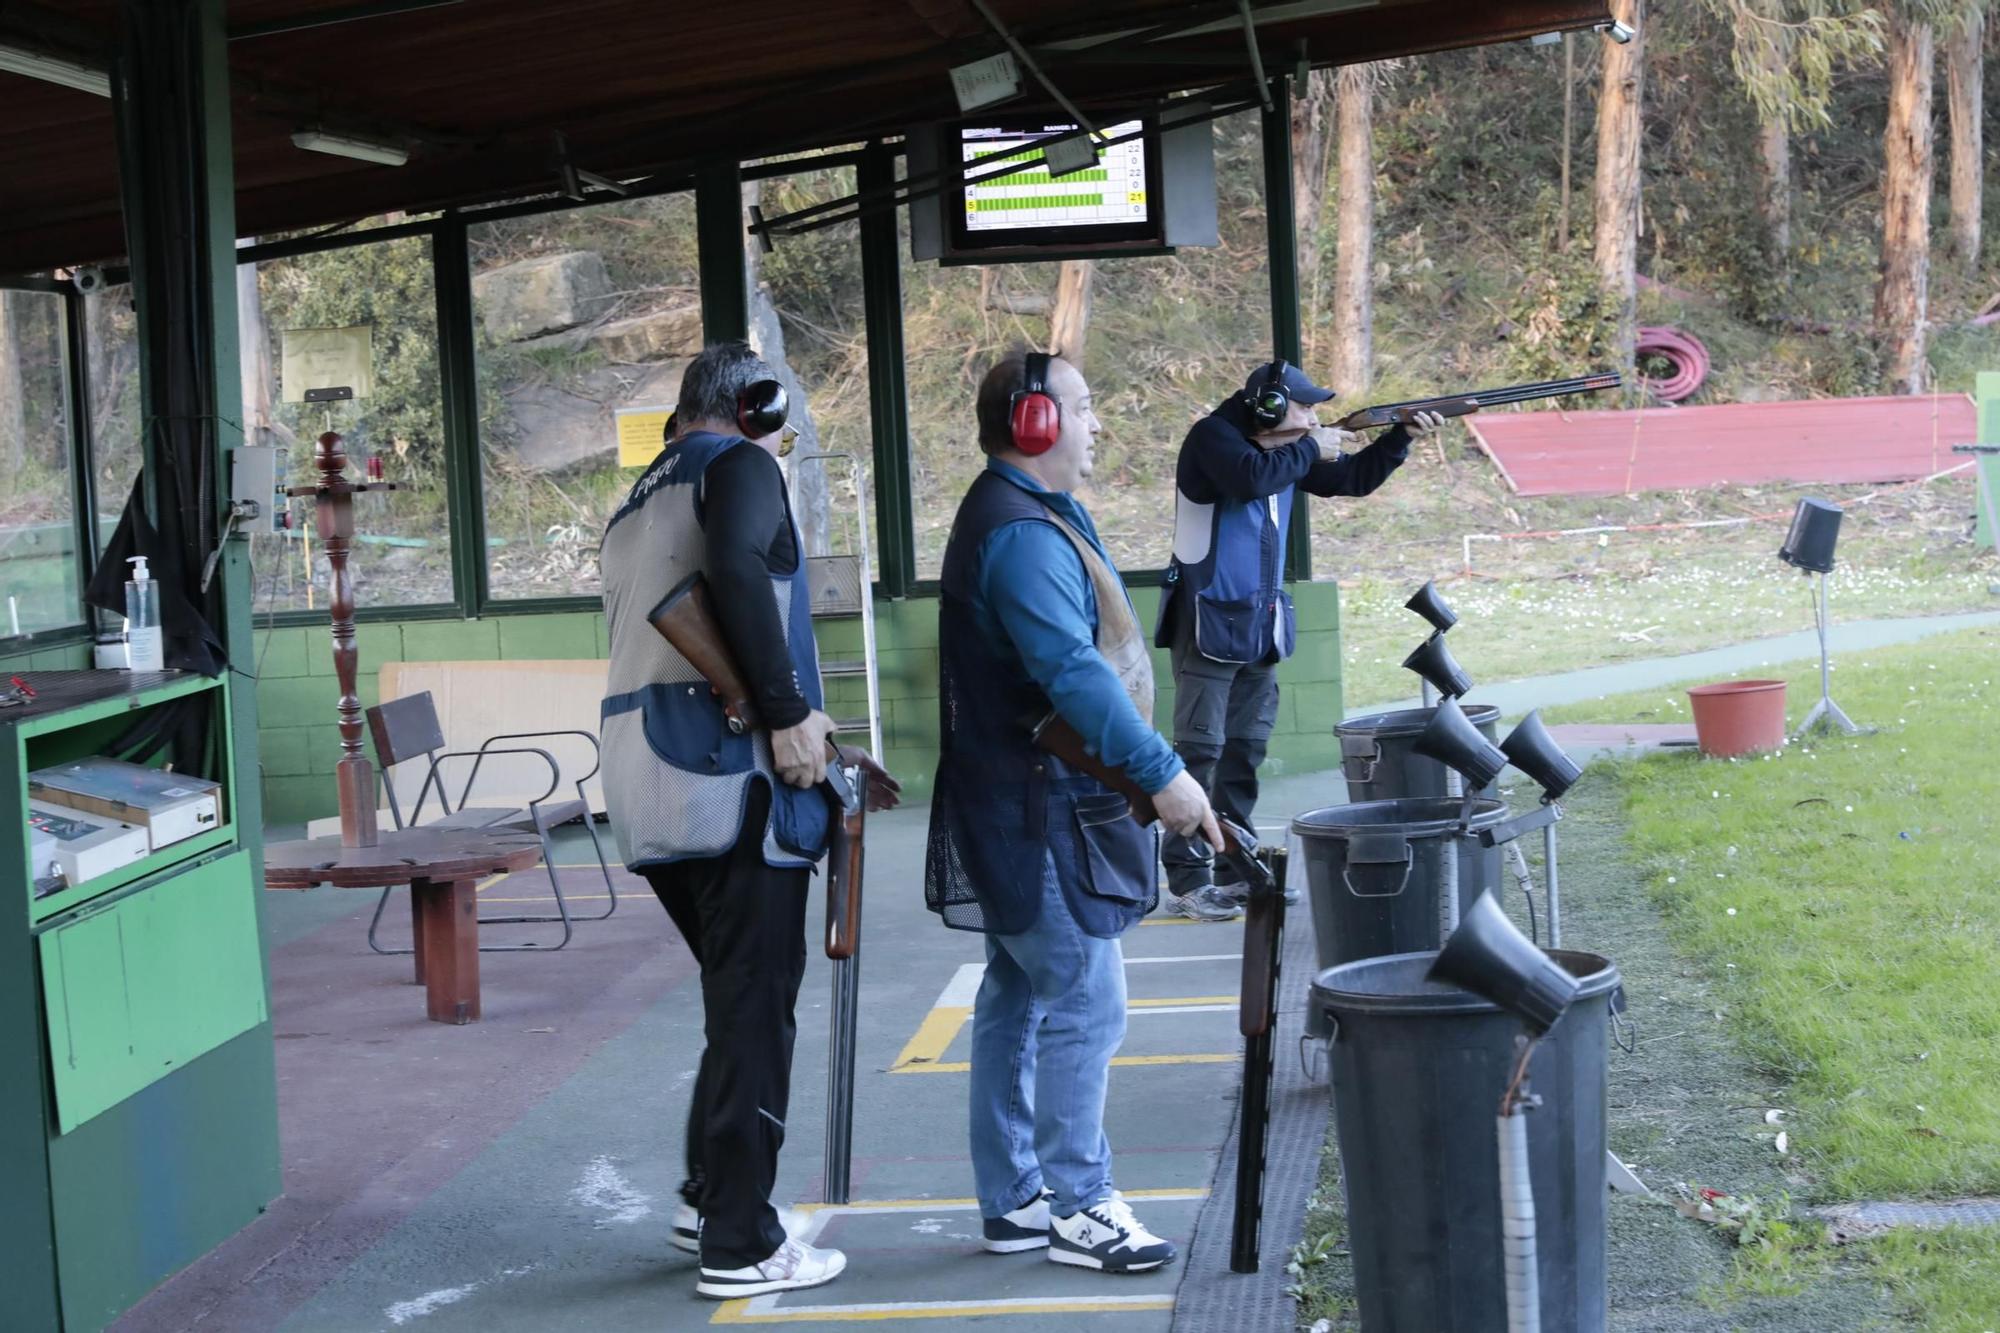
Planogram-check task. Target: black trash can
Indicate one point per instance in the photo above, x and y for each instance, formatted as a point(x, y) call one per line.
point(1418, 1072)
point(1375, 874)
point(1377, 759)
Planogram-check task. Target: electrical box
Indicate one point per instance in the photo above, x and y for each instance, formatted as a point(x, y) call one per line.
point(258, 477)
point(81, 846)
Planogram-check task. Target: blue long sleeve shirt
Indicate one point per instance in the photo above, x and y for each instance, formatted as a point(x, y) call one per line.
point(1035, 604)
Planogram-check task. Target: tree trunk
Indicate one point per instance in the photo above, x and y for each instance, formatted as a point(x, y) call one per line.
point(253, 354)
point(1617, 208)
point(1775, 205)
point(13, 408)
point(1569, 137)
point(1354, 268)
point(811, 495)
point(1964, 41)
point(1901, 299)
point(1069, 322)
point(1311, 115)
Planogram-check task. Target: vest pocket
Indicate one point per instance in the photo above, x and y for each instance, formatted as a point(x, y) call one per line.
point(1226, 631)
point(686, 728)
point(1119, 853)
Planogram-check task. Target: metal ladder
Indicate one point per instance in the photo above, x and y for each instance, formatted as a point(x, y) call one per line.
point(840, 586)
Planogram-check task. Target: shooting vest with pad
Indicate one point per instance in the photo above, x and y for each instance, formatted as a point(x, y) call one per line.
point(1004, 813)
point(676, 780)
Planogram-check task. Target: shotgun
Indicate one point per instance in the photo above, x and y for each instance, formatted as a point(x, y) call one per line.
point(1463, 404)
point(1263, 869)
point(856, 784)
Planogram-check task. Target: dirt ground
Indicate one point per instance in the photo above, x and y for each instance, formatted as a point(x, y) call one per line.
point(1687, 1107)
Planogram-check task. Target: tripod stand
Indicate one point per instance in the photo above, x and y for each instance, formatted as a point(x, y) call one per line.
point(1826, 713)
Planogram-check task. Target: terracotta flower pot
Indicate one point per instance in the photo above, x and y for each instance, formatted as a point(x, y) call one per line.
point(1738, 716)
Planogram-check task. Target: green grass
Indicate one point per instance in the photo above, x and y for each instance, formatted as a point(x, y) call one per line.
point(1943, 1281)
point(1840, 893)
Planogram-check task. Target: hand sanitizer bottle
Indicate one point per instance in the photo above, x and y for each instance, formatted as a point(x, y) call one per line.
point(142, 618)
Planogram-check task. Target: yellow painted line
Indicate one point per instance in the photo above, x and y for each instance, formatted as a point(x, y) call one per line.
point(1187, 921)
point(1126, 1061)
point(738, 1312)
point(933, 1038)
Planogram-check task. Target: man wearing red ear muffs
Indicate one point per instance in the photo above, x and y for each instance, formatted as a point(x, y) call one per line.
point(1043, 858)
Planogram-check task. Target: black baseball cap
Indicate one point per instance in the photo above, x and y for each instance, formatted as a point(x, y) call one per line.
point(1298, 387)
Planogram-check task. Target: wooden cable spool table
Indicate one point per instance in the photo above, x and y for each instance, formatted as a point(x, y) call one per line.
point(443, 868)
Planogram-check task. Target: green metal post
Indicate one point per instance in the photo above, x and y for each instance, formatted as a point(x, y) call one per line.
point(1281, 231)
point(889, 411)
point(1986, 468)
point(458, 368)
point(720, 234)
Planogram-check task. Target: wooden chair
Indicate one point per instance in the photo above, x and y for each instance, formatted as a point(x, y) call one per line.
point(407, 729)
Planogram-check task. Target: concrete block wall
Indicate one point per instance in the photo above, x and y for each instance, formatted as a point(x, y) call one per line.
point(298, 743)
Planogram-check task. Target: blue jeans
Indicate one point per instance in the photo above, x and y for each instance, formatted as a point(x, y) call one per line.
point(1050, 1012)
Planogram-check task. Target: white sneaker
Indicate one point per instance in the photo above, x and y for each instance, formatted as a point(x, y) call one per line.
point(794, 1266)
point(1106, 1236)
point(687, 1226)
point(1026, 1228)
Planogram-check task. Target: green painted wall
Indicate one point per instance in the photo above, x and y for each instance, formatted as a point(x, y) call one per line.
point(298, 745)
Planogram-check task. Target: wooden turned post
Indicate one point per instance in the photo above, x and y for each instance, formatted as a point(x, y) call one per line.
point(354, 776)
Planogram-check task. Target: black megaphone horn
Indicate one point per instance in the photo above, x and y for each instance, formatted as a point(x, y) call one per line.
point(1536, 753)
point(1428, 602)
point(1450, 738)
point(1489, 956)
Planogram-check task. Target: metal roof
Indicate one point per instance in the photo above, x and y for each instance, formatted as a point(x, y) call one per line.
point(635, 88)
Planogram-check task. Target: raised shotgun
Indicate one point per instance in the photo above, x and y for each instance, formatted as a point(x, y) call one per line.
point(1263, 869)
point(686, 619)
point(1462, 404)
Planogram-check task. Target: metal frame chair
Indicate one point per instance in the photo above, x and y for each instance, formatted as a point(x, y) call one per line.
point(404, 728)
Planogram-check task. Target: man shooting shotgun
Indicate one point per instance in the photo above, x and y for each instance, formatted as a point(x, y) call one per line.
point(717, 795)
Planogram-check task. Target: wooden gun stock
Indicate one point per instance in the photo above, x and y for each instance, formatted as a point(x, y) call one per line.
point(843, 882)
point(686, 620)
point(1463, 404)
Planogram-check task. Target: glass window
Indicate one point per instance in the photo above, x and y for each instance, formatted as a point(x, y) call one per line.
point(402, 542)
point(111, 344)
point(38, 557)
point(809, 319)
point(577, 315)
point(1165, 339)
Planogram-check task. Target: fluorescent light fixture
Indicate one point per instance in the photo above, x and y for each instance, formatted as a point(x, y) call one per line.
point(49, 69)
point(346, 145)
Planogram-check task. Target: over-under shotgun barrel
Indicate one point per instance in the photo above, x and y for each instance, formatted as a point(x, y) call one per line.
point(1461, 404)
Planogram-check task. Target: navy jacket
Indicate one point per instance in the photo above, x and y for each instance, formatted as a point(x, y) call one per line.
point(1232, 513)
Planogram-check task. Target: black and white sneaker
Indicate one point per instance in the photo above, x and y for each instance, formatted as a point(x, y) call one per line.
point(687, 1226)
point(1026, 1228)
point(794, 1266)
point(1106, 1236)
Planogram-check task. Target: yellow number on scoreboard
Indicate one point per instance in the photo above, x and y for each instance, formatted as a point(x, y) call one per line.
point(1135, 197)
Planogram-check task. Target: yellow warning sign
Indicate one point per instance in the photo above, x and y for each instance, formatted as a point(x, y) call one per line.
point(640, 434)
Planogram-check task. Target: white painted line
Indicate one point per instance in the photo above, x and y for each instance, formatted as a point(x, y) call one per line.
point(1184, 1009)
point(1189, 958)
point(1079, 1304)
point(963, 988)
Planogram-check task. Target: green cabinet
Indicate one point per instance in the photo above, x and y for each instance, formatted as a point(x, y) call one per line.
point(140, 988)
point(138, 1087)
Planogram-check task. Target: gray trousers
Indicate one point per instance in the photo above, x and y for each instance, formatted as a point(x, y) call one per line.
point(1223, 715)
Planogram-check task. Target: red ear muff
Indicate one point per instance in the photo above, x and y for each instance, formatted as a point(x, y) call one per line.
point(1036, 417)
point(761, 409)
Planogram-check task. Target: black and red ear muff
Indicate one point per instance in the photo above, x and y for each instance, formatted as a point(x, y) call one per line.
point(1271, 402)
point(1035, 416)
point(761, 409)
